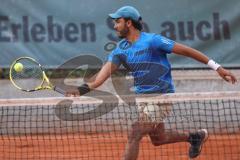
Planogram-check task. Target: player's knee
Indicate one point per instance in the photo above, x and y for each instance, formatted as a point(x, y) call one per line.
point(157, 138)
point(156, 142)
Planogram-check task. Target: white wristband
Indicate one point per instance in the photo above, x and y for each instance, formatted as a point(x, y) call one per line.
point(212, 64)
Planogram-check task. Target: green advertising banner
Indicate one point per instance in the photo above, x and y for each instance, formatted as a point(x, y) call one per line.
point(55, 31)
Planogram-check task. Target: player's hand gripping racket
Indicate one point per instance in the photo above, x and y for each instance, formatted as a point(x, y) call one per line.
point(28, 75)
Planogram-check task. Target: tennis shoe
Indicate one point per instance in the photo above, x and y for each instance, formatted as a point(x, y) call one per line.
point(197, 140)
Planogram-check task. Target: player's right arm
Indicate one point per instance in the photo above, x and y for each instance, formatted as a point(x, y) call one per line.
point(105, 72)
point(103, 75)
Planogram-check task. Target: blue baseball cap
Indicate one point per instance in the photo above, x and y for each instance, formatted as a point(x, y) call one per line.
point(126, 12)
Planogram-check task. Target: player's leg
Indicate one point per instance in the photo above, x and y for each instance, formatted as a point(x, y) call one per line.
point(161, 136)
point(158, 112)
point(135, 134)
point(141, 127)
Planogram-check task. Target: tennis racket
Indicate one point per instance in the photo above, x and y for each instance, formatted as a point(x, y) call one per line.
point(28, 75)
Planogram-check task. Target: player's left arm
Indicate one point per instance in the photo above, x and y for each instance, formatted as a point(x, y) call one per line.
point(184, 50)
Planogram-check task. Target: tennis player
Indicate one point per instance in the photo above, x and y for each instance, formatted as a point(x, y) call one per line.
point(145, 56)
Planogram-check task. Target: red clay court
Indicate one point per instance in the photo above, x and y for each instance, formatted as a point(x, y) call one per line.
point(110, 147)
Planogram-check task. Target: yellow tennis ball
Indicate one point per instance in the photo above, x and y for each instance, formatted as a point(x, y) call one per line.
point(18, 67)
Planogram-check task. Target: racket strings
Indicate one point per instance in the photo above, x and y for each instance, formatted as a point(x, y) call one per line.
point(30, 77)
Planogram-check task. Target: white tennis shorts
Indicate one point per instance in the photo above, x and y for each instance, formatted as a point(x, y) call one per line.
point(153, 112)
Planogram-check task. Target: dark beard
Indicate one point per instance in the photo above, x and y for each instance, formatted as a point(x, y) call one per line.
point(123, 33)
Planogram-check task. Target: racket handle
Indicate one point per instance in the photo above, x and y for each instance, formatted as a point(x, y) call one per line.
point(59, 90)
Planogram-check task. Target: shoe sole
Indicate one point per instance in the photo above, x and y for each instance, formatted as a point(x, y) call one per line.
point(206, 134)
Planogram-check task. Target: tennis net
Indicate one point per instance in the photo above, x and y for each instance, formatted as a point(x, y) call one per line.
point(86, 128)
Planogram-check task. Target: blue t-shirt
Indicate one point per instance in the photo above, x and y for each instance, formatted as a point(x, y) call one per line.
point(147, 61)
